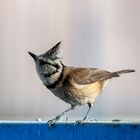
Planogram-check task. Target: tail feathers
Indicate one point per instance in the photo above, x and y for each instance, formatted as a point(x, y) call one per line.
point(123, 71)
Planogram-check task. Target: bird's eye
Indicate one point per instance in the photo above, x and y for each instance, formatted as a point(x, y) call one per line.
point(42, 62)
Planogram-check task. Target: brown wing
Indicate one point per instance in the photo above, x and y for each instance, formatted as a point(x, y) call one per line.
point(85, 76)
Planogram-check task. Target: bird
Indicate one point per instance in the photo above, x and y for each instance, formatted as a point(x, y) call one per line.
point(76, 86)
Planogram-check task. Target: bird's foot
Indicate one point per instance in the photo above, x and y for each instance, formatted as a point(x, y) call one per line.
point(85, 121)
point(81, 121)
point(53, 121)
point(93, 120)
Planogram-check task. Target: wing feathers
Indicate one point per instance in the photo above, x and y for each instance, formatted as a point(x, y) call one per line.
point(85, 76)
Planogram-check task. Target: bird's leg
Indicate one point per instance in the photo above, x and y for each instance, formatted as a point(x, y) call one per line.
point(85, 117)
point(89, 108)
point(53, 121)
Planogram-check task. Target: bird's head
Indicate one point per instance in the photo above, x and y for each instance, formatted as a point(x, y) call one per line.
point(48, 63)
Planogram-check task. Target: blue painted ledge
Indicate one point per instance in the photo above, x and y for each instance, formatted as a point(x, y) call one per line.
point(69, 131)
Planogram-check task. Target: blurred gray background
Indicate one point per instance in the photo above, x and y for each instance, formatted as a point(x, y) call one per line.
point(94, 33)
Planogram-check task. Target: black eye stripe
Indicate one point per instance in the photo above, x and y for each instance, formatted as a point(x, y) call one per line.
point(41, 62)
point(54, 65)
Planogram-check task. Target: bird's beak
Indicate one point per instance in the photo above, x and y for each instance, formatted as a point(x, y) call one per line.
point(33, 56)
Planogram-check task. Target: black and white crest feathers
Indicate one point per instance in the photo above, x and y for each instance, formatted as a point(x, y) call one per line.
point(54, 52)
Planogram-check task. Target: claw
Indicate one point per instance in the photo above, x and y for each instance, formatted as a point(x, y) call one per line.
point(81, 121)
point(51, 122)
point(85, 121)
point(93, 120)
